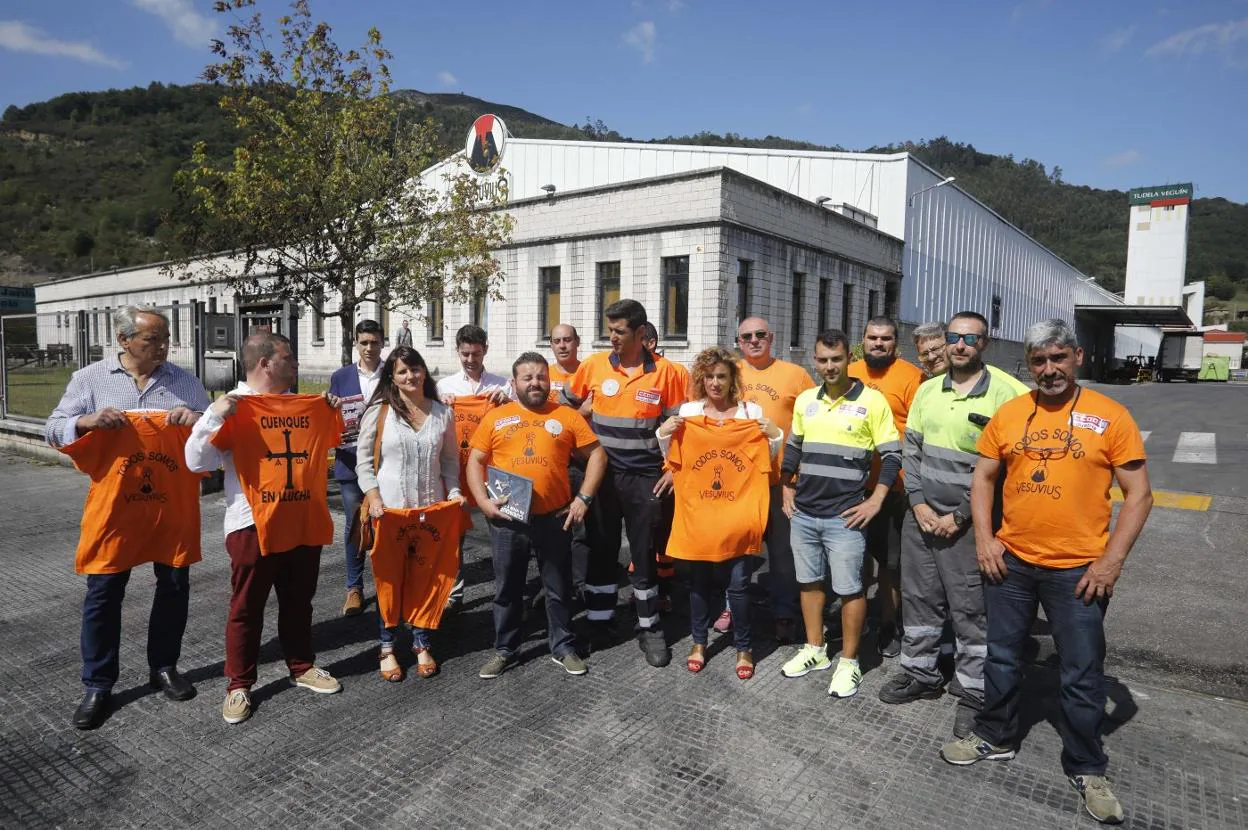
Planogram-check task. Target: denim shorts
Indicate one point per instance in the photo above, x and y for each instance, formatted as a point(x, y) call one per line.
point(823, 545)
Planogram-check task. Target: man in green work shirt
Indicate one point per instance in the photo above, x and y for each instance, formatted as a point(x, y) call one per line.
point(940, 574)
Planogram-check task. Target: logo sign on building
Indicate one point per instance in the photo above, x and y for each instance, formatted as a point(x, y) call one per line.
point(486, 141)
point(1166, 194)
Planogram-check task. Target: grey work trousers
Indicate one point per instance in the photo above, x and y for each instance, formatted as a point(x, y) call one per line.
point(940, 579)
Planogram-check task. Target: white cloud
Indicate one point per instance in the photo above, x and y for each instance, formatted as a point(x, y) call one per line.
point(447, 79)
point(1222, 38)
point(187, 25)
point(1123, 159)
point(1117, 39)
point(642, 38)
point(18, 37)
point(674, 6)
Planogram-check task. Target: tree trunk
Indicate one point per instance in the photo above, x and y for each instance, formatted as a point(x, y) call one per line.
point(346, 320)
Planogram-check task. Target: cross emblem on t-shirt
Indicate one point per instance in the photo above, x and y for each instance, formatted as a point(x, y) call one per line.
point(289, 457)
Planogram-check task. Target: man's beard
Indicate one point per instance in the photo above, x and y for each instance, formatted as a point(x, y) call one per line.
point(879, 362)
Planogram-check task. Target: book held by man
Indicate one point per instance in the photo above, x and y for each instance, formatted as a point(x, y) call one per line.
point(517, 490)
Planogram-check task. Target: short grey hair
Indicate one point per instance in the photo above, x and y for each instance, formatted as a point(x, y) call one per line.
point(928, 330)
point(1046, 333)
point(126, 318)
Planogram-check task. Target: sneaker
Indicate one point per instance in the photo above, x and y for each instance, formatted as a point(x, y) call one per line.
point(319, 681)
point(1098, 799)
point(237, 706)
point(786, 631)
point(723, 623)
point(496, 665)
point(846, 679)
point(964, 718)
point(571, 662)
point(905, 689)
point(808, 658)
point(966, 751)
point(654, 645)
point(889, 644)
point(354, 605)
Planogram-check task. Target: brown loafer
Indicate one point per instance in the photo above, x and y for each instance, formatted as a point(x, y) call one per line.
point(354, 605)
point(391, 674)
point(425, 669)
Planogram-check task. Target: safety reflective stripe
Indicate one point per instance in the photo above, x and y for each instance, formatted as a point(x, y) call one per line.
point(887, 447)
point(593, 614)
point(646, 593)
point(628, 443)
point(930, 473)
point(624, 423)
point(828, 471)
point(972, 651)
point(843, 450)
point(932, 451)
point(968, 682)
point(648, 622)
point(917, 631)
point(601, 589)
point(926, 660)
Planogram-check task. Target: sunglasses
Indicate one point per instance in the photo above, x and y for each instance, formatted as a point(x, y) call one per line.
point(749, 336)
point(968, 339)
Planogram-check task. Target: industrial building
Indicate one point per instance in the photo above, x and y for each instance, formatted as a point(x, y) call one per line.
point(705, 235)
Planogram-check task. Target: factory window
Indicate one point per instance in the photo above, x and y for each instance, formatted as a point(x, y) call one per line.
point(548, 283)
point(891, 297)
point(175, 324)
point(873, 298)
point(847, 307)
point(676, 297)
point(995, 317)
point(479, 313)
point(433, 319)
point(743, 289)
point(212, 305)
point(608, 292)
point(318, 321)
point(825, 295)
point(795, 310)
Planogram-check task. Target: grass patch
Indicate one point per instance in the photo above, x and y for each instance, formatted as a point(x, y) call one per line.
point(35, 391)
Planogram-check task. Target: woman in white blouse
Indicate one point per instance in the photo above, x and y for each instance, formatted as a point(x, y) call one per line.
point(716, 386)
point(419, 466)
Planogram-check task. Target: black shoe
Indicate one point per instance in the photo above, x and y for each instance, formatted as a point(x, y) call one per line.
point(905, 689)
point(173, 684)
point(889, 644)
point(964, 718)
point(91, 711)
point(654, 645)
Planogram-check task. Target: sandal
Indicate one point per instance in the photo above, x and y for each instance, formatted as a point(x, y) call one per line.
point(696, 660)
point(425, 669)
point(390, 670)
point(745, 665)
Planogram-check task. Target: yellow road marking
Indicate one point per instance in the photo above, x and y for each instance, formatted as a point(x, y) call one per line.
point(1170, 498)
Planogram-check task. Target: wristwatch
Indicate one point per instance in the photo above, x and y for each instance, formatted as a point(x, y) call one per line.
point(960, 519)
point(589, 500)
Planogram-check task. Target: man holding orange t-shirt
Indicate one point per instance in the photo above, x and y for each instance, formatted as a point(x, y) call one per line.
point(1058, 450)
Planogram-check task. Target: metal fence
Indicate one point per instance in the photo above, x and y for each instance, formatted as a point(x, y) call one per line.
point(41, 352)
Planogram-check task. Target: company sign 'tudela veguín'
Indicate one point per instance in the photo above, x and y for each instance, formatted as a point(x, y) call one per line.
point(1160, 193)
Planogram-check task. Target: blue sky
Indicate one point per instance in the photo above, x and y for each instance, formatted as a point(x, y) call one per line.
point(1119, 94)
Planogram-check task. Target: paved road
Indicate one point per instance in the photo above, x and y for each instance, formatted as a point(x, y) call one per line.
point(626, 745)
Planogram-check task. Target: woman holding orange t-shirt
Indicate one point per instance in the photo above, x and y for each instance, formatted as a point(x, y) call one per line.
point(419, 466)
point(723, 544)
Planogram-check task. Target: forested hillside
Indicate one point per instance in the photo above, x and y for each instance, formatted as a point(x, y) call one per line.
point(85, 181)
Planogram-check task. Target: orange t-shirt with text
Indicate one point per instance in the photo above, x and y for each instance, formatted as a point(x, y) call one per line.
point(415, 559)
point(143, 504)
point(558, 380)
point(721, 479)
point(1056, 493)
point(280, 444)
point(468, 411)
point(898, 384)
point(775, 389)
point(537, 445)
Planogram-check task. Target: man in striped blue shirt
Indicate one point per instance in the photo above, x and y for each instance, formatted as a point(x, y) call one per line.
point(138, 375)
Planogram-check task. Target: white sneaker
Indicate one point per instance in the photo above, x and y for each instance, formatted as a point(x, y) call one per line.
point(846, 678)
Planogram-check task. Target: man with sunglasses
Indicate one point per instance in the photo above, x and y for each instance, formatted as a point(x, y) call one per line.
point(939, 570)
point(1058, 450)
point(774, 385)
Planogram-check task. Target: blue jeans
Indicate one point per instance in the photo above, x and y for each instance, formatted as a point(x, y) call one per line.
point(352, 497)
point(1078, 634)
point(823, 544)
point(510, 544)
point(420, 636)
point(703, 577)
point(101, 623)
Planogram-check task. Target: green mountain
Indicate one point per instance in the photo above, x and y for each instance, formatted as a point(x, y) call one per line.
point(85, 180)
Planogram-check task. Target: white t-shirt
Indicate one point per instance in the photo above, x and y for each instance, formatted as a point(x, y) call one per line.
point(460, 384)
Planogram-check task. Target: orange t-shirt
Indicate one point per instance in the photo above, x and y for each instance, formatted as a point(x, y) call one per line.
point(536, 445)
point(897, 384)
point(1056, 492)
point(775, 389)
point(721, 481)
point(558, 380)
point(143, 504)
point(468, 411)
point(280, 444)
point(415, 559)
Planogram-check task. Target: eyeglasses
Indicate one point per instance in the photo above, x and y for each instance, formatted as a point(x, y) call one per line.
point(749, 336)
point(933, 352)
point(952, 337)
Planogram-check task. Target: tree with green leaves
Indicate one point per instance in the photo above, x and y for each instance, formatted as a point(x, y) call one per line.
point(321, 199)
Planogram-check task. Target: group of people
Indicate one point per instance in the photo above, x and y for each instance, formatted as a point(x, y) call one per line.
point(966, 496)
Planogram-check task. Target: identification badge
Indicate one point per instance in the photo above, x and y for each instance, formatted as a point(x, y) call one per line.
point(1080, 420)
point(503, 423)
point(553, 426)
point(650, 396)
point(812, 409)
point(610, 387)
point(853, 410)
